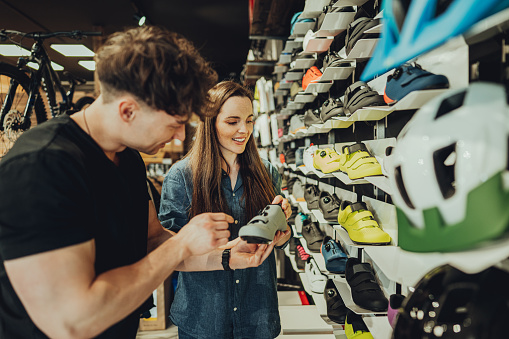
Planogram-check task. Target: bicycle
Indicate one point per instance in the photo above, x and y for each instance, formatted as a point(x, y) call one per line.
point(23, 95)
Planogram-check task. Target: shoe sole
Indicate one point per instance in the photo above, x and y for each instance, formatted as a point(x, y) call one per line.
point(366, 243)
point(255, 240)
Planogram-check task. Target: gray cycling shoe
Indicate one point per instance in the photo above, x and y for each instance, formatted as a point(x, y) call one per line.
point(262, 228)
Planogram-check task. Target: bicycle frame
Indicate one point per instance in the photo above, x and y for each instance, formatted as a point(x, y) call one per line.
point(46, 76)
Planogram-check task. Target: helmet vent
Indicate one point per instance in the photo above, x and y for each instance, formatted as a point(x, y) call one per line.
point(401, 187)
point(400, 9)
point(442, 6)
point(450, 104)
point(445, 163)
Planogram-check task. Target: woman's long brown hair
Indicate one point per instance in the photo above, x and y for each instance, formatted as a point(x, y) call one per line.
point(205, 160)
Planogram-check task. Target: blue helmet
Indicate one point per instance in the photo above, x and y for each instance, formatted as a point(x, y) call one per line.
point(412, 27)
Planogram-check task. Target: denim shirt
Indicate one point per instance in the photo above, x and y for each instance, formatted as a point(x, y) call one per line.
point(216, 304)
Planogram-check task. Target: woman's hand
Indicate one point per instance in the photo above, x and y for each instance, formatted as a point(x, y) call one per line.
point(285, 205)
point(244, 255)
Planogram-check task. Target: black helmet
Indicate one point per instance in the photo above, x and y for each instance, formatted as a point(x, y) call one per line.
point(448, 303)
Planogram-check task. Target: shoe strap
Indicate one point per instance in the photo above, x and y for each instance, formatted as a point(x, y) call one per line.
point(355, 147)
point(414, 76)
point(359, 159)
point(368, 223)
point(358, 206)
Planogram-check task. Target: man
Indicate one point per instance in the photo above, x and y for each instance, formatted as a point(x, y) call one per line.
point(76, 222)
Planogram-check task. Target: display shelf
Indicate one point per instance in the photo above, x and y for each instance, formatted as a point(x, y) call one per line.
point(303, 322)
point(301, 28)
point(319, 128)
point(380, 181)
point(304, 63)
point(347, 3)
point(385, 215)
point(416, 99)
point(281, 92)
point(319, 87)
point(320, 261)
point(307, 285)
point(301, 133)
point(294, 75)
point(363, 49)
point(304, 207)
point(295, 106)
point(378, 326)
point(336, 122)
point(337, 73)
point(285, 59)
point(346, 294)
point(372, 113)
point(345, 238)
point(320, 174)
point(319, 216)
point(282, 116)
point(292, 45)
point(375, 30)
point(313, 9)
point(301, 97)
point(318, 45)
point(305, 170)
point(488, 27)
point(283, 84)
point(347, 181)
point(292, 259)
point(292, 200)
point(335, 23)
point(280, 68)
point(288, 111)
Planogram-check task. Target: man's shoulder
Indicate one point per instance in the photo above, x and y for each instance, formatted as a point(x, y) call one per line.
point(45, 137)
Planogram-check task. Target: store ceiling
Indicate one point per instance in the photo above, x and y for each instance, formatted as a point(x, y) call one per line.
point(219, 28)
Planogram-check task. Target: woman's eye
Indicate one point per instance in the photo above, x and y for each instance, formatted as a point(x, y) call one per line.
point(250, 122)
point(231, 123)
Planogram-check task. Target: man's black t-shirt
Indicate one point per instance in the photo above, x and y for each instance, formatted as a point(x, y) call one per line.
point(58, 188)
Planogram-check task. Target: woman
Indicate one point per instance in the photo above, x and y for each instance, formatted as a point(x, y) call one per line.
point(224, 172)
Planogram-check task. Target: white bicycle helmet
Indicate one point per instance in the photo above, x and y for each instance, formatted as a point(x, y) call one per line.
point(446, 171)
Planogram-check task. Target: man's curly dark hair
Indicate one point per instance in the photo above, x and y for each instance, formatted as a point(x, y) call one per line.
point(159, 67)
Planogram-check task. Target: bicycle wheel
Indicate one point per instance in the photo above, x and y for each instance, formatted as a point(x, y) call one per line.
point(83, 102)
point(10, 119)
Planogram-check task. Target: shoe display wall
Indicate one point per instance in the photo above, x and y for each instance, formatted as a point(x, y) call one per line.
point(386, 148)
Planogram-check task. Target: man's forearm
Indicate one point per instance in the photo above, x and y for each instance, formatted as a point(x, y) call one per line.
point(74, 303)
point(207, 262)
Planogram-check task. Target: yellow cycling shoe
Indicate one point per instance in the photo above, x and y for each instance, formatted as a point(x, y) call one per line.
point(355, 328)
point(362, 228)
point(357, 162)
point(326, 160)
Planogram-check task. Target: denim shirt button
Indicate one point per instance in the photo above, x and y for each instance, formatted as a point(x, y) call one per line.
point(233, 194)
point(237, 281)
point(235, 309)
point(236, 221)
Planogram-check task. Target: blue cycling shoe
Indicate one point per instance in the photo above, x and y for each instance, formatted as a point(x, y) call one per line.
point(408, 78)
point(334, 255)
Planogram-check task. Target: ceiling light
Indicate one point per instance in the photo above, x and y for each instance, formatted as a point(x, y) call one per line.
point(55, 66)
point(140, 19)
point(88, 64)
point(13, 50)
point(73, 50)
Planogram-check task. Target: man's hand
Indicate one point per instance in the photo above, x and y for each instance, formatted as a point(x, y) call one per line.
point(244, 255)
point(285, 205)
point(205, 232)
